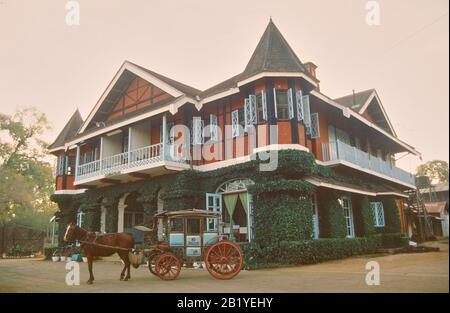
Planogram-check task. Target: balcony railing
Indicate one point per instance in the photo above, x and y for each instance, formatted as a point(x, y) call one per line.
point(131, 159)
point(342, 151)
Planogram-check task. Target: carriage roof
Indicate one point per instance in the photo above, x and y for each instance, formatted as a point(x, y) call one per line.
point(188, 213)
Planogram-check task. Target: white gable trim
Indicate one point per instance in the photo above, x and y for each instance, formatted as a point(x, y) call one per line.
point(366, 105)
point(137, 71)
point(350, 113)
point(276, 74)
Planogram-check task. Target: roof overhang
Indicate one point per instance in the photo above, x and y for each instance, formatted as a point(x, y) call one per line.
point(375, 96)
point(349, 113)
point(128, 66)
point(276, 74)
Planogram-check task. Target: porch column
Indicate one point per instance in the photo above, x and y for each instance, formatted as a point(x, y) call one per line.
point(103, 219)
point(129, 145)
point(77, 161)
point(120, 217)
point(164, 135)
point(101, 154)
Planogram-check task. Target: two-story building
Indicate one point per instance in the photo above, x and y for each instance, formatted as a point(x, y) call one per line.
point(266, 147)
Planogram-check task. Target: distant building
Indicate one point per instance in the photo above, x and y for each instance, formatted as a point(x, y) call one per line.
point(436, 198)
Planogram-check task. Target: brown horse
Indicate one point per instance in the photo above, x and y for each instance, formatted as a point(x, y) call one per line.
point(94, 245)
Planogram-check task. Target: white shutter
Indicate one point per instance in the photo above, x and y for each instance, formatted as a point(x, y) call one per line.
point(213, 125)
point(306, 114)
point(264, 104)
point(315, 129)
point(197, 130)
point(275, 102)
point(290, 103)
point(234, 123)
point(299, 103)
point(252, 109)
point(247, 112)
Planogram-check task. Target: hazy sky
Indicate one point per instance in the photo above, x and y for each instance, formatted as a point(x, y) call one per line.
point(58, 68)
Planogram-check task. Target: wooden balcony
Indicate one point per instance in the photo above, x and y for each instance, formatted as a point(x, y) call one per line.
point(341, 152)
point(144, 160)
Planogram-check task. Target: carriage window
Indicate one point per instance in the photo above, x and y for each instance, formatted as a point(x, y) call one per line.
point(193, 226)
point(176, 225)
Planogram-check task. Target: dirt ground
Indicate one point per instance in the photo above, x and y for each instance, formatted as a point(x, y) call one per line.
point(418, 272)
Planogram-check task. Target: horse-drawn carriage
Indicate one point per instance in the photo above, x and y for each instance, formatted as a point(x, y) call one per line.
point(193, 236)
point(189, 236)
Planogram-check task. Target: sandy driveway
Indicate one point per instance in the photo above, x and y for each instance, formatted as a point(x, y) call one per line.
point(420, 272)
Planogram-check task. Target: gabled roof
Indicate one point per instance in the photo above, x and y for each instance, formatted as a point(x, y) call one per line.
point(368, 100)
point(273, 54)
point(69, 131)
point(436, 207)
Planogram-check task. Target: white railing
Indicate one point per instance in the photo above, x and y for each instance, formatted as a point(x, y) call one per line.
point(342, 151)
point(131, 159)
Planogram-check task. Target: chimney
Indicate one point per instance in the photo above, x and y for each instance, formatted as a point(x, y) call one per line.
point(311, 68)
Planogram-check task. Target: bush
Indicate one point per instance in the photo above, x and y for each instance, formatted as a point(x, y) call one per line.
point(332, 217)
point(307, 251)
point(18, 250)
point(394, 240)
point(391, 215)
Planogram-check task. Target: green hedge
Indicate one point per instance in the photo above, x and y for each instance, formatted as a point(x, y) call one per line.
point(315, 251)
point(332, 218)
point(307, 251)
point(394, 240)
point(391, 215)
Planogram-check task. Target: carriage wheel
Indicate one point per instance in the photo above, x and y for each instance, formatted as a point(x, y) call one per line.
point(224, 260)
point(152, 263)
point(167, 266)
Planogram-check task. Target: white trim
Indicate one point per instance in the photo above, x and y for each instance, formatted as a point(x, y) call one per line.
point(168, 108)
point(392, 193)
point(349, 113)
point(366, 105)
point(357, 167)
point(318, 183)
point(69, 191)
point(276, 74)
point(217, 96)
point(137, 71)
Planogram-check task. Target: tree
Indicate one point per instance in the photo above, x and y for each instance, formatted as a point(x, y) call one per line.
point(26, 180)
point(436, 171)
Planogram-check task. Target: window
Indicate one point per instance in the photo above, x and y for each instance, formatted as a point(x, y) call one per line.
point(59, 166)
point(197, 130)
point(214, 204)
point(346, 205)
point(176, 225)
point(71, 165)
point(125, 142)
point(315, 217)
point(237, 122)
point(377, 213)
point(213, 129)
point(261, 108)
point(250, 114)
point(281, 104)
point(315, 128)
point(193, 226)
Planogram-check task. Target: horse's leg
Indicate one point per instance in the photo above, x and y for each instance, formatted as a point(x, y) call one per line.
point(124, 267)
point(124, 257)
point(90, 258)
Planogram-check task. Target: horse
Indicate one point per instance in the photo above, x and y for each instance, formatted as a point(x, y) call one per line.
point(97, 245)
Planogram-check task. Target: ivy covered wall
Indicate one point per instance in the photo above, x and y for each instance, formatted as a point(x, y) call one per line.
point(282, 199)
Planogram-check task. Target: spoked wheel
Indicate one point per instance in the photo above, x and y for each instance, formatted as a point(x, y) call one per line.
point(152, 263)
point(224, 260)
point(167, 266)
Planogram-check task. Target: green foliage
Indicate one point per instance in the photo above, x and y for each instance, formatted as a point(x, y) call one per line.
point(307, 251)
point(391, 215)
point(394, 240)
point(332, 217)
point(436, 171)
point(18, 250)
point(26, 181)
point(363, 216)
point(282, 217)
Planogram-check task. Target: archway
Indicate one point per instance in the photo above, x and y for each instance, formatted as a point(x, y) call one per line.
point(237, 212)
point(133, 215)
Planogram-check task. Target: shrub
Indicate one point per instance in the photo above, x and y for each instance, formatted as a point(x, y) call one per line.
point(394, 240)
point(391, 215)
point(307, 251)
point(332, 218)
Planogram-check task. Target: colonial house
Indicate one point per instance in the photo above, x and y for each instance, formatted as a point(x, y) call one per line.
point(276, 156)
